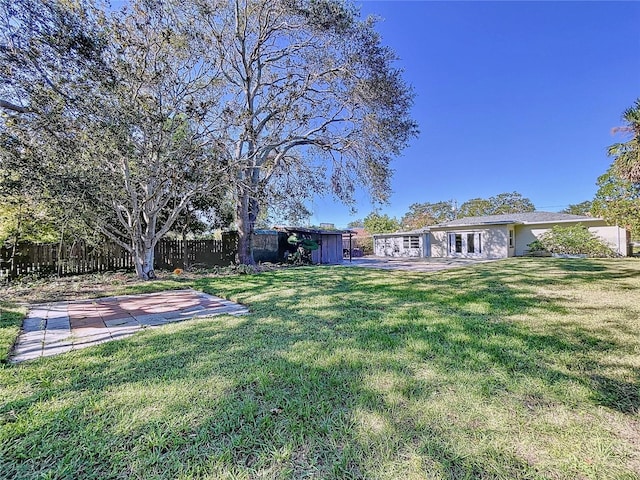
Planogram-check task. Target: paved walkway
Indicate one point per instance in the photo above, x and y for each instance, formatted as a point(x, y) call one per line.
point(412, 264)
point(54, 328)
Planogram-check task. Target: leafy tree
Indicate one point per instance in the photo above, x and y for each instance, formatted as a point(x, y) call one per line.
point(626, 155)
point(582, 208)
point(474, 207)
point(503, 203)
point(311, 96)
point(423, 214)
point(359, 223)
point(130, 114)
point(618, 202)
point(377, 223)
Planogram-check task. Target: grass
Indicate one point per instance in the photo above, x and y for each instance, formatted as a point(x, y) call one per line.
point(11, 316)
point(518, 369)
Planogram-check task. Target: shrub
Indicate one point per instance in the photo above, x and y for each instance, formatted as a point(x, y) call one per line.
point(572, 240)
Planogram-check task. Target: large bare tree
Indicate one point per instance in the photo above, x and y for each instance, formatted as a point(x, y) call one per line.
point(310, 96)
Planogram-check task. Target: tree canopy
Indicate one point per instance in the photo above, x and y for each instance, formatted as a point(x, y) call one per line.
point(582, 208)
point(376, 222)
point(424, 214)
point(618, 201)
point(503, 203)
point(626, 155)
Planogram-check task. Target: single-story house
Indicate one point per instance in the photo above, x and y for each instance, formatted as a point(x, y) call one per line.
point(490, 236)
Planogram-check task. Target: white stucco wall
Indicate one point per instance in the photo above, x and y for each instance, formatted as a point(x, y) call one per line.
point(495, 241)
point(394, 247)
point(615, 237)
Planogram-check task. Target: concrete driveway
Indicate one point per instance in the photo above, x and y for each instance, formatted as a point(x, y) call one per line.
point(412, 264)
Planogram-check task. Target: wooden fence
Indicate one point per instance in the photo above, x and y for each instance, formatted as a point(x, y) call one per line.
point(172, 254)
point(51, 258)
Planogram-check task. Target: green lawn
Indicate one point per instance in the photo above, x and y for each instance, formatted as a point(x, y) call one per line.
point(523, 368)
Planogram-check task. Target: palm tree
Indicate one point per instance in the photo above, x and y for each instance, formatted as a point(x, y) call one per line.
point(626, 155)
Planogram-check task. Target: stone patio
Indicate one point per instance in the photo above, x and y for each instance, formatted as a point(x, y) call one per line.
point(54, 328)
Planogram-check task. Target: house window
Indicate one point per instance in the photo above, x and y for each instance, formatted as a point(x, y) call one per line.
point(411, 242)
point(470, 243)
point(510, 238)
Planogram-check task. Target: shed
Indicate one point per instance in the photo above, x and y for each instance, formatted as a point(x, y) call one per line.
point(329, 242)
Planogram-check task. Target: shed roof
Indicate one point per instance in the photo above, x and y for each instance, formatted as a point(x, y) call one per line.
point(317, 231)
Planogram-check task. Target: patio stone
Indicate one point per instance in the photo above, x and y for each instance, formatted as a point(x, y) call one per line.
point(57, 311)
point(49, 352)
point(151, 320)
point(121, 322)
point(33, 324)
point(58, 323)
point(51, 329)
point(91, 339)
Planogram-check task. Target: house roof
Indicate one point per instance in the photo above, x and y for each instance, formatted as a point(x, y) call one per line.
point(529, 218)
point(419, 231)
point(517, 218)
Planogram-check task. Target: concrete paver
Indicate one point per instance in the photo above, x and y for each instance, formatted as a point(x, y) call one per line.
point(51, 329)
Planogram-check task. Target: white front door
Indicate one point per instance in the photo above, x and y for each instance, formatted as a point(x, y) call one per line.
point(466, 244)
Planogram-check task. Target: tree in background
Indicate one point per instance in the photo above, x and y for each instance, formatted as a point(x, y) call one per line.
point(503, 203)
point(618, 201)
point(626, 155)
point(380, 223)
point(424, 214)
point(359, 223)
point(582, 208)
point(23, 219)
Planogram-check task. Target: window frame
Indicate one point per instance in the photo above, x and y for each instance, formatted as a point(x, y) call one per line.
point(458, 243)
point(410, 241)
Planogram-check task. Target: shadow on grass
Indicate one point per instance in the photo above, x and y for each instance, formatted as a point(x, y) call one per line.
point(328, 361)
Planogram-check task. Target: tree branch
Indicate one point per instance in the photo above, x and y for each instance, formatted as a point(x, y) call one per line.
point(13, 107)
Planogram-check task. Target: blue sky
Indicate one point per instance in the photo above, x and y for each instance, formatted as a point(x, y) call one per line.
point(510, 96)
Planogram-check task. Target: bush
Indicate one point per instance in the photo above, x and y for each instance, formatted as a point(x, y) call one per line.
point(572, 240)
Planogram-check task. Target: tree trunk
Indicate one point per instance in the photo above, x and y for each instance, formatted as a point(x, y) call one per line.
point(16, 239)
point(185, 251)
point(143, 257)
point(247, 212)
